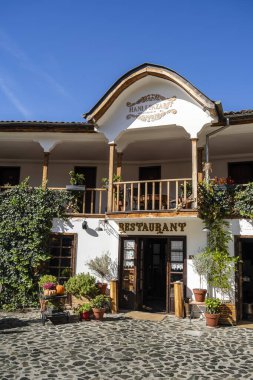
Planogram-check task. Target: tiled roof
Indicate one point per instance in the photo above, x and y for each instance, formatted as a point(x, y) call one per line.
point(44, 122)
point(41, 125)
point(238, 113)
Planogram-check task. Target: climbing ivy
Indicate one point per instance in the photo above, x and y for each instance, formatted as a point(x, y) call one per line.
point(244, 201)
point(26, 218)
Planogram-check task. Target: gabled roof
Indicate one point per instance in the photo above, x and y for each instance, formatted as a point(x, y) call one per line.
point(140, 72)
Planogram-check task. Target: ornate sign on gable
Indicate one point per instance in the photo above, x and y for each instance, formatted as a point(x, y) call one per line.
point(151, 107)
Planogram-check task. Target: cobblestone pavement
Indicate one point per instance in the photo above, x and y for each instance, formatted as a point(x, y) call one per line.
point(121, 348)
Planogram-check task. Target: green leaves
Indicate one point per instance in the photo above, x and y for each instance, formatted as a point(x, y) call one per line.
point(244, 201)
point(26, 218)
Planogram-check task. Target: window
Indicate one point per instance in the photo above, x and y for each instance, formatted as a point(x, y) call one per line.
point(241, 172)
point(9, 175)
point(62, 251)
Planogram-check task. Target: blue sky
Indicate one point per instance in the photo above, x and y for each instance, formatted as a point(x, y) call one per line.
point(58, 57)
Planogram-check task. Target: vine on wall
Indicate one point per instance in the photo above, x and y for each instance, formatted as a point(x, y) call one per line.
point(26, 218)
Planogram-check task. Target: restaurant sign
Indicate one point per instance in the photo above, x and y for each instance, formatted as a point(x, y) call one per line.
point(158, 228)
point(150, 107)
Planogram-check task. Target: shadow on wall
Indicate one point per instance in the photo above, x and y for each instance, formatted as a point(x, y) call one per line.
point(62, 225)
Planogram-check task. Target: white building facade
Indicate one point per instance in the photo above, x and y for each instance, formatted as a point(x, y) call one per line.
point(149, 135)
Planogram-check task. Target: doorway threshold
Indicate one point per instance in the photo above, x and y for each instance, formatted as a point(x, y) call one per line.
point(145, 316)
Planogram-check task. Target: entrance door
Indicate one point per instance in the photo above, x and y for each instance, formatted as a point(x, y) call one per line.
point(245, 278)
point(154, 274)
point(149, 266)
point(90, 174)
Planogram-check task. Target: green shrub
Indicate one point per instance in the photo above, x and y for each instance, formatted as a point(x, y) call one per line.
point(82, 285)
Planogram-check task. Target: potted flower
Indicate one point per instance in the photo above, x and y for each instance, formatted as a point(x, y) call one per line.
point(201, 265)
point(48, 283)
point(84, 311)
point(212, 313)
point(49, 289)
point(99, 305)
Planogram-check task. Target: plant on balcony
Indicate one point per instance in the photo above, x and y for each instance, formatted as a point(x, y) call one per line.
point(77, 188)
point(244, 200)
point(26, 219)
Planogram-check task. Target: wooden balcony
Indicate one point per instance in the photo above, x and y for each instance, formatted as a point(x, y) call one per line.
point(134, 197)
point(166, 195)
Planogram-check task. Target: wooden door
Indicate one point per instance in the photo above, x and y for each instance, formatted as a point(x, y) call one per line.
point(90, 175)
point(147, 173)
point(176, 268)
point(128, 271)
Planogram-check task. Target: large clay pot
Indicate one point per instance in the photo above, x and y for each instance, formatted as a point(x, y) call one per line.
point(199, 294)
point(98, 314)
point(212, 320)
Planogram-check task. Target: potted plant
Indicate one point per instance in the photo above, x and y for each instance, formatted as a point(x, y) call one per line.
point(84, 311)
point(77, 181)
point(49, 289)
point(212, 313)
point(82, 285)
point(99, 305)
point(201, 266)
point(105, 184)
point(186, 197)
point(47, 283)
point(104, 268)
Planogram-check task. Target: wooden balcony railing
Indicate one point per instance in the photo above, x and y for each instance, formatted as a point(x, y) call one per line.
point(153, 195)
point(91, 201)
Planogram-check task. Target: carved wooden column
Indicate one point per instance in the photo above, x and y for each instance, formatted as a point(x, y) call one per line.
point(119, 164)
point(200, 160)
point(45, 170)
point(194, 171)
point(110, 177)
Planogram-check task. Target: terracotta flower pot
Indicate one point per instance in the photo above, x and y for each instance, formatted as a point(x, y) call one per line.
point(85, 315)
point(102, 287)
point(98, 314)
point(212, 320)
point(199, 294)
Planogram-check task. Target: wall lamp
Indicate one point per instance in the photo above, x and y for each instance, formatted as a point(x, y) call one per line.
point(101, 223)
point(99, 228)
point(84, 225)
point(205, 229)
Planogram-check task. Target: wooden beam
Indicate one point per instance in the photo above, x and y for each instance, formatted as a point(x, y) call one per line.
point(119, 164)
point(194, 172)
point(200, 164)
point(110, 177)
point(45, 170)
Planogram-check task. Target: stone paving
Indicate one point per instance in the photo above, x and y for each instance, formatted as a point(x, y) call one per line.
point(120, 348)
